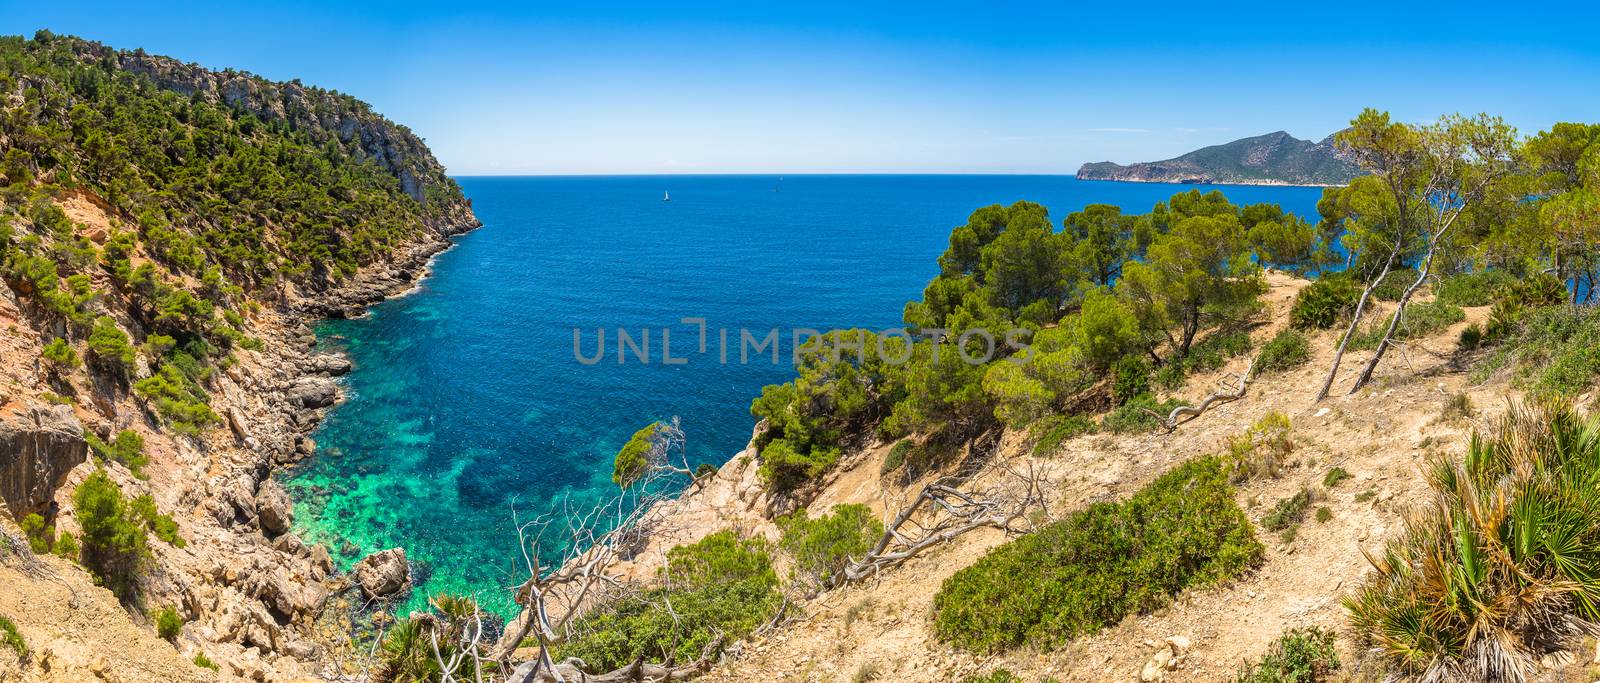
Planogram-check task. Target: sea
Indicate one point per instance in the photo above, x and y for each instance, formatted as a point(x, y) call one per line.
point(484, 396)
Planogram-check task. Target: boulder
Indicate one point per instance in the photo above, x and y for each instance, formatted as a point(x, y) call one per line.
point(328, 364)
point(383, 573)
point(273, 509)
point(39, 445)
point(313, 392)
point(321, 562)
point(286, 597)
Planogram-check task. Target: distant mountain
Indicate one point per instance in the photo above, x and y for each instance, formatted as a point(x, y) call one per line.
point(1272, 159)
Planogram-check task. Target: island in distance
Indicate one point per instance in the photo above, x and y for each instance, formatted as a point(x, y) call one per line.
point(1272, 159)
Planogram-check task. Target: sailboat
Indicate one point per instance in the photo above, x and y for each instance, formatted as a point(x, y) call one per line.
point(666, 196)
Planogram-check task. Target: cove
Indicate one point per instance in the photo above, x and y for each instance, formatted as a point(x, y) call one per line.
point(467, 401)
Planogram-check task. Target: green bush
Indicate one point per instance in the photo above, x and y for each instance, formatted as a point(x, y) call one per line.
point(1471, 338)
point(1421, 319)
point(109, 347)
point(822, 546)
point(60, 355)
point(897, 456)
point(127, 447)
point(1054, 431)
point(1260, 451)
point(168, 623)
point(1130, 377)
point(1135, 415)
point(1287, 350)
point(1474, 289)
point(162, 525)
point(632, 460)
point(1499, 567)
point(1210, 354)
point(996, 676)
point(113, 544)
point(1288, 511)
point(67, 547)
point(1300, 655)
point(11, 637)
point(1554, 351)
point(1334, 477)
point(1394, 284)
point(785, 469)
point(204, 662)
point(178, 399)
point(1100, 564)
point(723, 583)
point(1323, 303)
point(41, 536)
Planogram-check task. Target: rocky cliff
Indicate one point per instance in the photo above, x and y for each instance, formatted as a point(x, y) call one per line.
point(1272, 159)
point(168, 232)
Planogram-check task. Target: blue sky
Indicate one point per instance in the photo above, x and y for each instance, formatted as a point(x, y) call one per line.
point(867, 86)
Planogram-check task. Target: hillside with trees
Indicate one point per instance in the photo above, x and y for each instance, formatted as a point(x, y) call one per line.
point(1272, 159)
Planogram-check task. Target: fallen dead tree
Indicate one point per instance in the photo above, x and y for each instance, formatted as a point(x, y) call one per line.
point(1182, 414)
point(940, 513)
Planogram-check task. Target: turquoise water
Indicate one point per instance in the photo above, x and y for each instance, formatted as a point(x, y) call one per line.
point(467, 399)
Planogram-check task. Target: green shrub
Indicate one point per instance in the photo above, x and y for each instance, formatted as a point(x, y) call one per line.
point(1334, 477)
point(1287, 350)
point(1394, 284)
point(996, 676)
point(168, 623)
point(127, 447)
point(1288, 511)
point(1056, 430)
point(1259, 452)
point(632, 459)
point(1100, 564)
point(1209, 354)
point(1324, 515)
point(162, 525)
point(204, 662)
point(178, 399)
point(67, 547)
point(1323, 303)
point(60, 355)
point(785, 469)
point(1474, 289)
point(1554, 351)
point(11, 637)
point(113, 541)
point(1135, 415)
point(822, 546)
point(1130, 377)
point(41, 536)
point(723, 583)
point(1499, 567)
point(1471, 337)
point(109, 347)
point(1300, 655)
point(1421, 319)
point(896, 456)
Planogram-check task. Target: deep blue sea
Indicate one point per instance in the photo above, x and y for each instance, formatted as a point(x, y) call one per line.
point(467, 399)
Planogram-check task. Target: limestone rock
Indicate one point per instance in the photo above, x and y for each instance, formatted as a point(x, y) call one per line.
point(273, 509)
point(39, 445)
point(313, 392)
point(383, 573)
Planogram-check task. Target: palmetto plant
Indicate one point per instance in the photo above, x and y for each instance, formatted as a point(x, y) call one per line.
point(1503, 565)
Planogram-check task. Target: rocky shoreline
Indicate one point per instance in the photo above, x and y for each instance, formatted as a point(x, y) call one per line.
point(254, 598)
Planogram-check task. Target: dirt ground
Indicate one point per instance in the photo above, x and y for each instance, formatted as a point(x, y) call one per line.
point(1382, 436)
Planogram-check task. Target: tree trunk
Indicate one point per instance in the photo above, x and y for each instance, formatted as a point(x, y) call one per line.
point(1361, 305)
point(1400, 309)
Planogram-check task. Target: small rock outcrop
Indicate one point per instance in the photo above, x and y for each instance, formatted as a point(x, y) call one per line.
point(39, 445)
point(273, 510)
point(383, 573)
point(313, 392)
